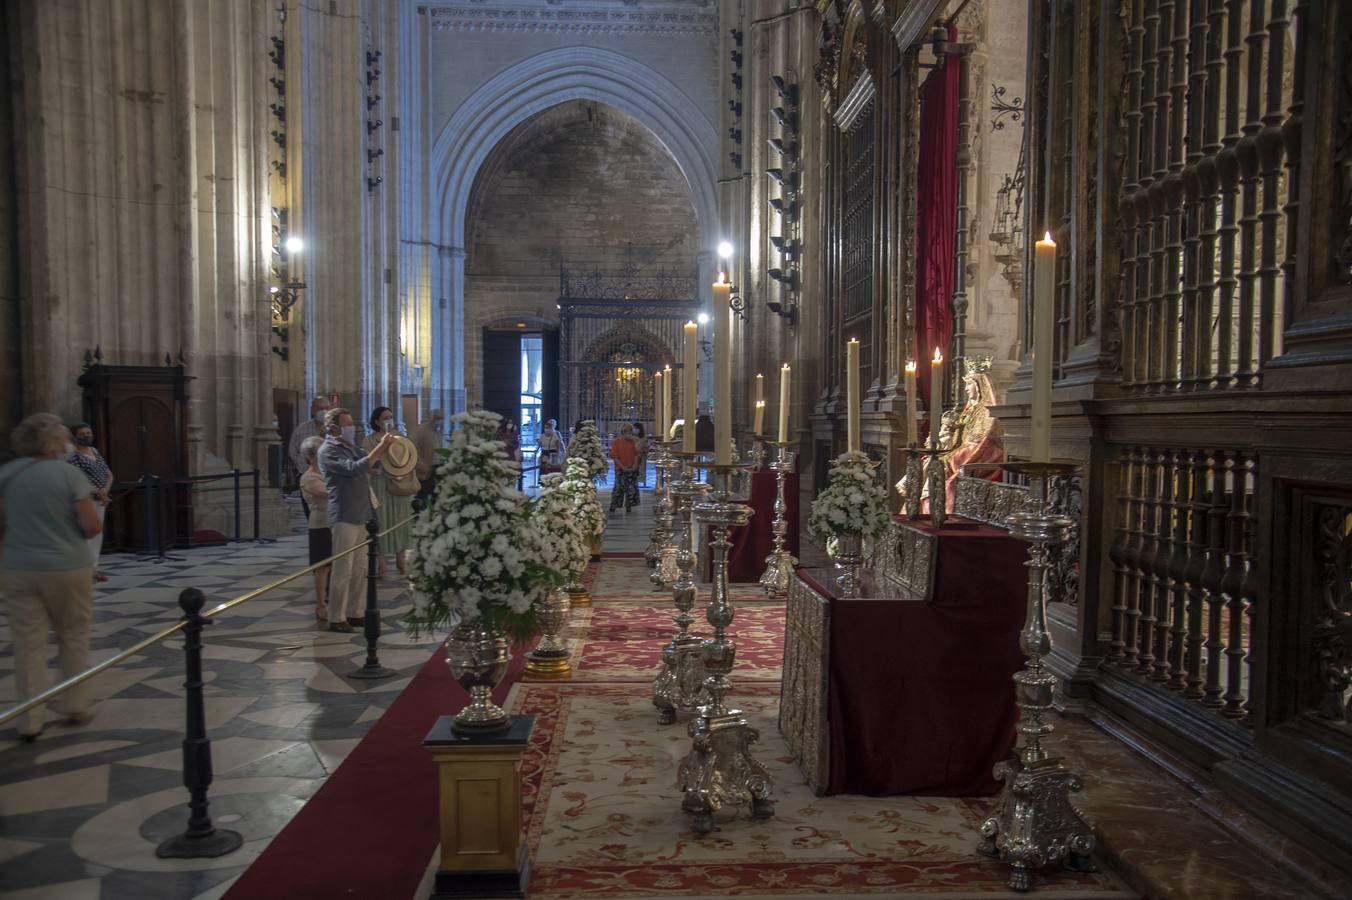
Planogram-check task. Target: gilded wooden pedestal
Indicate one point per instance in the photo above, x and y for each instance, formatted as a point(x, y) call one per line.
point(483, 851)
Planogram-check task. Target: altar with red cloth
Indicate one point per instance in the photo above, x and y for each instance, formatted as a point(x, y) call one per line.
point(896, 694)
point(752, 543)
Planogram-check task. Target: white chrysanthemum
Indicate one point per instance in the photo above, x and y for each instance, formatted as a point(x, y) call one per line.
point(853, 502)
point(477, 551)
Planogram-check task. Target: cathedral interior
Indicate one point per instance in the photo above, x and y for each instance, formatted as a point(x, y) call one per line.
point(1068, 281)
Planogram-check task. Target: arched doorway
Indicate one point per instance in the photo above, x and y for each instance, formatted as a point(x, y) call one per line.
point(615, 377)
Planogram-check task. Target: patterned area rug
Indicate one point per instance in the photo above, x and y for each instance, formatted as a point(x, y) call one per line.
point(626, 581)
point(624, 643)
point(604, 817)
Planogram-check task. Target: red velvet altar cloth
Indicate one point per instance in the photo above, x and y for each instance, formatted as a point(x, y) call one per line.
point(752, 543)
point(920, 697)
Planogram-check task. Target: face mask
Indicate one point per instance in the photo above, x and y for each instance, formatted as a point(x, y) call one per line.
point(350, 433)
point(85, 440)
point(319, 415)
point(436, 425)
point(387, 424)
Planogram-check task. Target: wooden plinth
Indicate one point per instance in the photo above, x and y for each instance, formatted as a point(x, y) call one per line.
point(483, 853)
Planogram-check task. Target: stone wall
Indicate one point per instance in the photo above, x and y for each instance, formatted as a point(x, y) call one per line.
point(581, 185)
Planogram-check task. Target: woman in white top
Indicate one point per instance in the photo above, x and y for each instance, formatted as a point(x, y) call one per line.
point(316, 494)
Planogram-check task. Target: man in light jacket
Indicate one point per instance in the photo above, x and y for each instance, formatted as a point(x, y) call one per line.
point(346, 474)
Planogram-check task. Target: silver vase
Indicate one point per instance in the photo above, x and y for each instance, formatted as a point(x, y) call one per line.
point(551, 658)
point(848, 556)
point(478, 657)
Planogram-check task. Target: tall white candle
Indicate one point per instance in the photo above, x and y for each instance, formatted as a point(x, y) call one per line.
point(1044, 344)
point(852, 395)
point(722, 372)
point(760, 404)
point(657, 403)
point(784, 404)
point(936, 410)
point(667, 412)
point(689, 382)
point(912, 401)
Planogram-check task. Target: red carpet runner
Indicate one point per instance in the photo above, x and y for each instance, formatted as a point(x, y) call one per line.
point(380, 805)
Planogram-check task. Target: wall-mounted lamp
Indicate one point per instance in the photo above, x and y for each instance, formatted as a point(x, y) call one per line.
point(702, 318)
point(786, 277)
point(786, 208)
point(372, 126)
point(788, 120)
point(373, 183)
point(294, 244)
point(724, 250)
point(789, 150)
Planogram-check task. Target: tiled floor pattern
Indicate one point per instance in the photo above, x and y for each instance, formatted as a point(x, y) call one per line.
point(83, 808)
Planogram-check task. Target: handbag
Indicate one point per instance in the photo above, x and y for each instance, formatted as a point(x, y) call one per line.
point(405, 485)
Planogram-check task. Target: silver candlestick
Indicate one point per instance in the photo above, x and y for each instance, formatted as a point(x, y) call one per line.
point(911, 489)
point(661, 555)
point(719, 771)
point(937, 477)
point(779, 564)
point(1036, 823)
point(680, 682)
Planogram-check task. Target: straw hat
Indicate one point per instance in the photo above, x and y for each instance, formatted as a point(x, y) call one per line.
point(401, 457)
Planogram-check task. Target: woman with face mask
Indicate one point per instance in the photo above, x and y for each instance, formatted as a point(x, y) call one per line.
point(86, 457)
point(550, 443)
point(391, 507)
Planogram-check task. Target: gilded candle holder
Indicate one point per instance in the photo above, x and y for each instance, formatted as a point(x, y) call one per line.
point(719, 771)
point(680, 682)
point(779, 564)
point(1036, 823)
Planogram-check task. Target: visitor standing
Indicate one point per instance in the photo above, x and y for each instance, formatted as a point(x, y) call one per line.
point(641, 438)
point(347, 475)
point(316, 492)
point(90, 461)
point(312, 427)
point(550, 444)
point(391, 508)
point(511, 439)
point(47, 514)
point(624, 451)
point(427, 439)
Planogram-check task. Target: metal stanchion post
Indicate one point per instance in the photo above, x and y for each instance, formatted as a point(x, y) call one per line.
point(257, 504)
point(201, 840)
point(235, 474)
point(372, 668)
point(146, 484)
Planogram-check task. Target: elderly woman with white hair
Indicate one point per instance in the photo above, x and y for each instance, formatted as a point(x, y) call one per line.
point(47, 513)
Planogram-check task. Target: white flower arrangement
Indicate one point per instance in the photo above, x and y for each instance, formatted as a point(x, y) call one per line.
point(477, 552)
point(578, 487)
point(555, 512)
point(587, 445)
point(853, 502)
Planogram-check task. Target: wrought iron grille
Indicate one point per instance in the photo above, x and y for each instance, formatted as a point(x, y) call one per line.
point(1182, 554)
point(626, 284)
point(858, 219)
point(1205, 196)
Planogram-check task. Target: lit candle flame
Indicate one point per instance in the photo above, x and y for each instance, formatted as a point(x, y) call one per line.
point(1047, 240)
point(722, 278)
point(938, 357)
point(910, 367)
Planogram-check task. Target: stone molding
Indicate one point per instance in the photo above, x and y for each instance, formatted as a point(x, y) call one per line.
point(629, 20)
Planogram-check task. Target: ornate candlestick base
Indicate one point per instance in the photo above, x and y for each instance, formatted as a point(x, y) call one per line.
point(550, 660)
point(779, 564)
point(680, 682)
point(719, 771)
point(1036, 823)
point(661, 554)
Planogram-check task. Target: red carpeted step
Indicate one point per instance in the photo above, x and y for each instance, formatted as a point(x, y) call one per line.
point(370, 830)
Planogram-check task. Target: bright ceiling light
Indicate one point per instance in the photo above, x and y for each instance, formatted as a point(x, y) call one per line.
point(294, 244)
point(725, 250)
point(703, 318)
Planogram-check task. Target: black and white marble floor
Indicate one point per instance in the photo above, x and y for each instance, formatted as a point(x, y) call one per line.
point(83, 808)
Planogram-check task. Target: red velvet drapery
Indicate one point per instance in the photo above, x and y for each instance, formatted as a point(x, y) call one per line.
point(936, 215)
